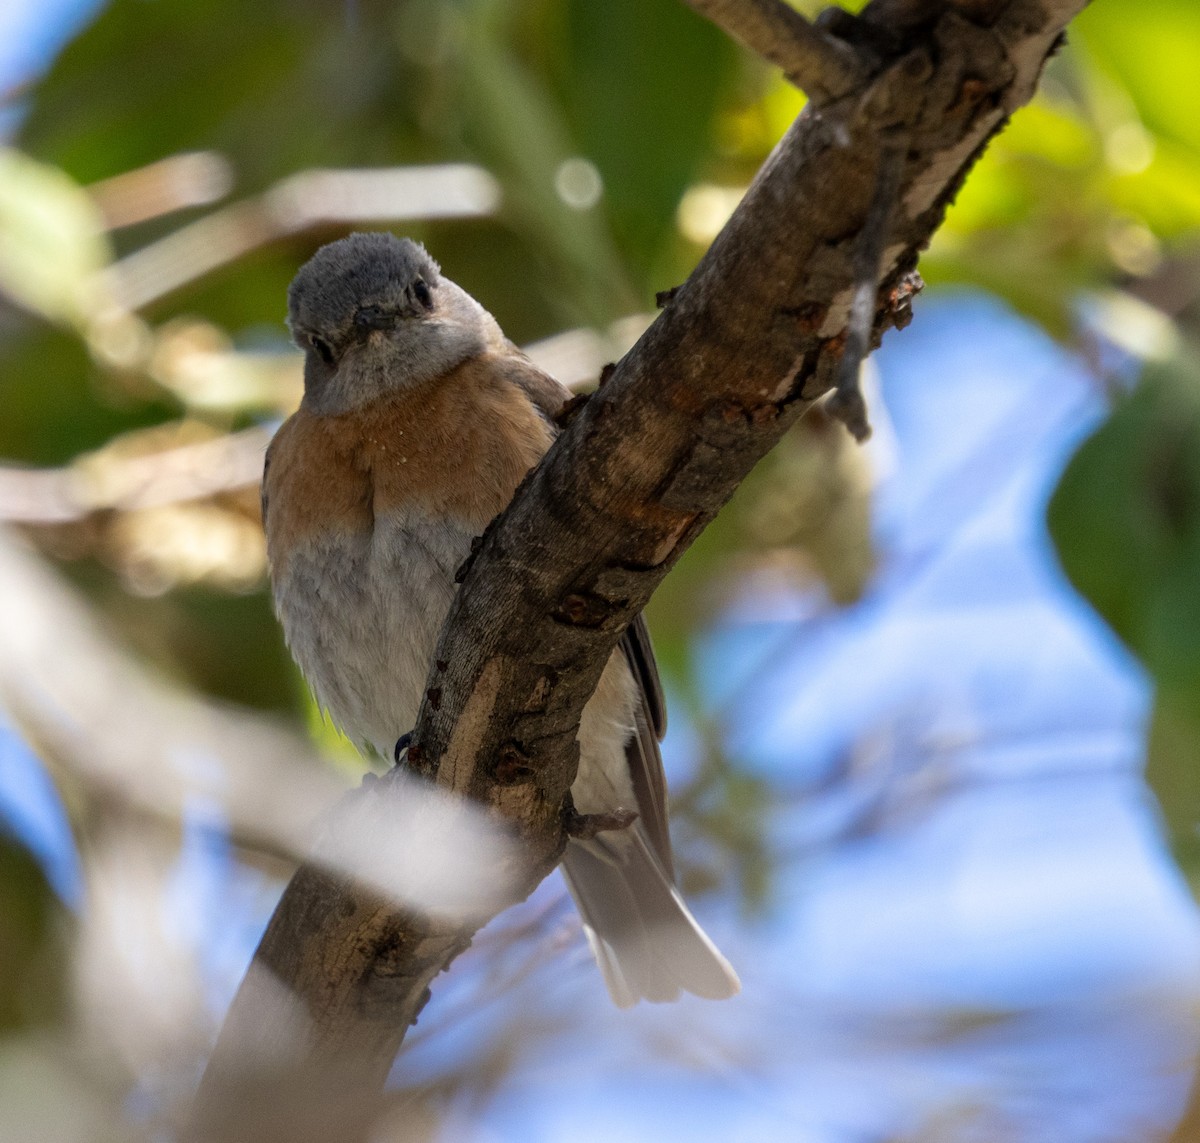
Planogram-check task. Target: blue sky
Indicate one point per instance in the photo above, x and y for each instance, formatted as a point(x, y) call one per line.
point(33, 31)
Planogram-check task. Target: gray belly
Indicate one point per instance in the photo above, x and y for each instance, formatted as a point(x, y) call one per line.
point(362, 616)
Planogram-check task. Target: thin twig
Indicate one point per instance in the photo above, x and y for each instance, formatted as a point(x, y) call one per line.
point(112, 482)
point(296, 204)
point(822, 67)
point(846, 402)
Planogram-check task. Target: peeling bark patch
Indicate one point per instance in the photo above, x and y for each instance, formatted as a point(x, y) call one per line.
point(456, 769)
point(667, 548)
point(540, 695)
point(900, 298)
point(663, 521)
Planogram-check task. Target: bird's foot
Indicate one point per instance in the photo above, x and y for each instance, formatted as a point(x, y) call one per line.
point(584, 827)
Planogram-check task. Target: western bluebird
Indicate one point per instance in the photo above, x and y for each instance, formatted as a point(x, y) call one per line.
point(419, 420)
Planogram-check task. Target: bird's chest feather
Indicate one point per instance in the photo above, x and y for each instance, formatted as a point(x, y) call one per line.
point(368, 516)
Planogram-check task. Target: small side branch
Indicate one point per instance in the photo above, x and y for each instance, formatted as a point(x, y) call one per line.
point(846, 401)
point(822, 67)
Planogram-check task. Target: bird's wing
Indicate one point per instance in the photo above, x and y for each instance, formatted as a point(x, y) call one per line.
point(641, 752)
point(263, 490)
point(547, 394)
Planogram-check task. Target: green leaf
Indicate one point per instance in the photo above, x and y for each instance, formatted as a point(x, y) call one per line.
point(645, 77)
point(1150, 49)
point(1126, 521)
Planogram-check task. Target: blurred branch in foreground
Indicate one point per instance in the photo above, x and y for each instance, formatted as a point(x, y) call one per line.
point(301, 202)
point(194, 178)
point(109, 481)
point(139, 740)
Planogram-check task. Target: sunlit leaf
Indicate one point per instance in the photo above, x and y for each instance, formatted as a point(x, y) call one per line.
point(51, 240)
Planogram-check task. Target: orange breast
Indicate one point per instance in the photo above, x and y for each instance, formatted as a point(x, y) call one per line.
point(457, 447)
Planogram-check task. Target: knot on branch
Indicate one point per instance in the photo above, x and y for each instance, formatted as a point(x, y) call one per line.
point(513, 765)
point(571, 409)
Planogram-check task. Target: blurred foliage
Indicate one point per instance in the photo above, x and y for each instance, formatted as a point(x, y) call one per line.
point(1105, 176)
point(1098, 181)
point(31, 947)
point(1126, 518)
point(1126, 521)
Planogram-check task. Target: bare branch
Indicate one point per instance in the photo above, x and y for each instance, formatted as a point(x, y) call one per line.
point(194, 178)
point(821, 66)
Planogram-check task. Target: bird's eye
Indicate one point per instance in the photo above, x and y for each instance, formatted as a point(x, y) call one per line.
point(422, 293)
point(323, 349)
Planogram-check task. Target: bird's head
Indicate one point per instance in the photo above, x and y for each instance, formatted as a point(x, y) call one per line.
point(373, 314)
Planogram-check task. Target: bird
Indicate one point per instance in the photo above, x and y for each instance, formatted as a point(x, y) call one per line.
point(418, 420)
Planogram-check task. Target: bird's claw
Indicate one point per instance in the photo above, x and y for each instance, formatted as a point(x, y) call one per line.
point(584, 827)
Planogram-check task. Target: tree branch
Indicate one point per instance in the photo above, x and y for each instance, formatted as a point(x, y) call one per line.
point(823, 67)
point(752, 339)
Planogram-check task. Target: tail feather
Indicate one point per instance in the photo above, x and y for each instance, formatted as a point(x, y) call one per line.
point(646, 942)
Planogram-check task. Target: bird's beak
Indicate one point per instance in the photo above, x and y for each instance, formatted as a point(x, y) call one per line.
point(371, 318)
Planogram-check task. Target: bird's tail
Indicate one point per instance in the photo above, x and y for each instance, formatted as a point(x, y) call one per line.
point(648, 946)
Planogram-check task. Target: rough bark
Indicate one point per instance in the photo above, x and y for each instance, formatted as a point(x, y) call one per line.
point(749, 342)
